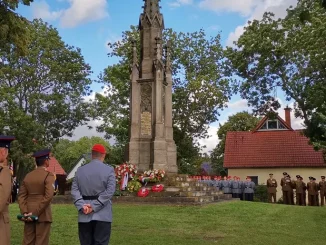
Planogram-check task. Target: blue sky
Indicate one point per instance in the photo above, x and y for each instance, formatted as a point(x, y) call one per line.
point(91, 24)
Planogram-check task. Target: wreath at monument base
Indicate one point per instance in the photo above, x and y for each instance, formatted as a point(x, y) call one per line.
point(128, 181)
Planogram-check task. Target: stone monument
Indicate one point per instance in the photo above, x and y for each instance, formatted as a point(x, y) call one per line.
point(151, 144)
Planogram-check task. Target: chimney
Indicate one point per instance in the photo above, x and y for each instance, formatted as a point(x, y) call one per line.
point(288, 115)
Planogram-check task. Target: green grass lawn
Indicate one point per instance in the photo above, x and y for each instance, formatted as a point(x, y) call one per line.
point(223, 223)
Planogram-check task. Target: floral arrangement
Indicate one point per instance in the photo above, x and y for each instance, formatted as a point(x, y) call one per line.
point(134, 185)
point(155, 175)
point(124, 168)
point(135, 181)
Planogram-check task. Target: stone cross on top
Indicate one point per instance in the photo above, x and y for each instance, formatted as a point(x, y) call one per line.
point(151, 144)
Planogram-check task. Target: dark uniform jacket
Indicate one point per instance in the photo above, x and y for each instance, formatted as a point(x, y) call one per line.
point(271, 185)
point(36, 193)
point(312, 188)
point(300, 187)
point(322, 186)
point(287, 185)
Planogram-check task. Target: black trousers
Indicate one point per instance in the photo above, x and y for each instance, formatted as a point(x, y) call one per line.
point(235, 195)
point(94, 233)
point(249, 197)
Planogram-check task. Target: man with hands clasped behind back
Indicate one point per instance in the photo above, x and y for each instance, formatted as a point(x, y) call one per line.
point(34, 198)
point(92, 190)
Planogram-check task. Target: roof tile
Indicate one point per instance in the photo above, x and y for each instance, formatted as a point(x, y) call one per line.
point(278, 148)
point(55, 167)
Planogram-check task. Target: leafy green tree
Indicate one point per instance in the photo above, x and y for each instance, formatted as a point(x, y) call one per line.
point(41, 94)
point(241, 121)
point(285, 54)
point(67, 152)
point(199, 88)
point(13, 29)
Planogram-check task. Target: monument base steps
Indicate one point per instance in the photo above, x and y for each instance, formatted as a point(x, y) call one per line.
point(178, 189)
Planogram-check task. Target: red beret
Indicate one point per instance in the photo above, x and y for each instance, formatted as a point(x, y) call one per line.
point(99, 148)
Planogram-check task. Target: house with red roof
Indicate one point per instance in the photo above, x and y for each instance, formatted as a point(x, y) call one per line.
point(272, 147)
point(56, 168)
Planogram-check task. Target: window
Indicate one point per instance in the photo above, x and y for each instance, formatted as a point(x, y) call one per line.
point(254, 179)
point(273, 125)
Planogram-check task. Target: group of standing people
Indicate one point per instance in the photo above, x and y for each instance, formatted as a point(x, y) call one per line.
point(298, 190)
point(238, 188)
point(92, 190)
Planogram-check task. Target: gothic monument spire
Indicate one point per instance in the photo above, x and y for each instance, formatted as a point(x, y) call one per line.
point(151, 144)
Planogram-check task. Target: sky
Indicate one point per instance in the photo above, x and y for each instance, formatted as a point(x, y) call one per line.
point(91, 24)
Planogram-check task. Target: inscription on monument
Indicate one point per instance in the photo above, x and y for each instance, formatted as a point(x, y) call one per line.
point(146, 123)
point(146, 110)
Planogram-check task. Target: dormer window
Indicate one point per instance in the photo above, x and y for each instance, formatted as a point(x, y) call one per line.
point(273, 125)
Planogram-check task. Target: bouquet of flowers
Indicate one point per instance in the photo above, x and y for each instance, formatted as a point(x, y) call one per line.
point(155, 175)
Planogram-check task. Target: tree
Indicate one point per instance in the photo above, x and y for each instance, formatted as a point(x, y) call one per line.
point(41, 94)
point(13, 29)
point(285, 54)
point(199, 89)
point(241, 121)
point(67, 152)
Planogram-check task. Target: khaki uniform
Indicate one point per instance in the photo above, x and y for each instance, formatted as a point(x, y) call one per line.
point(322, 188)
point(271, 189)
point(312, 190)
point(288, 191)
point(5, 194)
point(300, 187)
point(35, 196)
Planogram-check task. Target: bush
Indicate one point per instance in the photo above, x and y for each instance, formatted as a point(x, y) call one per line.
point(261, 194)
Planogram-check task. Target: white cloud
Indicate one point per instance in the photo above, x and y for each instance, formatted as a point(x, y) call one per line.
point(78, 12)
point(84, 130)
point(244, 7)
point(82, 11)
point(252, 9)
point(41, 10)
point(238, 105)
point(179, 3)
point(278, 7)
point(210, 142)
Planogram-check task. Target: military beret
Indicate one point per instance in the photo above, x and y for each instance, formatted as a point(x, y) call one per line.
point(5, 141)
point(43, 154)
point(285, 173)
point(323, 177)
point(99, 148)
